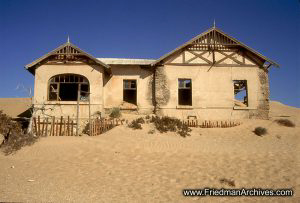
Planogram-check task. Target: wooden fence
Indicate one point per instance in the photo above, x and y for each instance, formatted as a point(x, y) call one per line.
point(210, 124)
point(65, 126)
point(99, 126)
point(53, 126)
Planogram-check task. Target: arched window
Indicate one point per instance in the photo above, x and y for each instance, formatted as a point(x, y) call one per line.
point(65, 87)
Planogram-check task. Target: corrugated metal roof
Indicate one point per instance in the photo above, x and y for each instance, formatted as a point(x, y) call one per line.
point(126, 61)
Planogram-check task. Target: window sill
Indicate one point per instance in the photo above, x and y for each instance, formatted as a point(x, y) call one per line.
point(67, 102)
point(184, 107)
point(128, 108)
point(243, 108)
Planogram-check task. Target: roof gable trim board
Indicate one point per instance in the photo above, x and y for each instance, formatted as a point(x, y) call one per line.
point(66, 49)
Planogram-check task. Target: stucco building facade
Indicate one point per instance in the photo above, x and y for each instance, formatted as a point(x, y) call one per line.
point(212, 76)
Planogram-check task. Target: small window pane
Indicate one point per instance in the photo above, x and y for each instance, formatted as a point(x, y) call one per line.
point(56, 79)
point(184, 83)
point(188, 83)
point(129, 84)
point(53, 92)
point(133, 84)
point(84, 92)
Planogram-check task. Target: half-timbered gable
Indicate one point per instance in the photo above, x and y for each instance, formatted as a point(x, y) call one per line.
point(214, 48)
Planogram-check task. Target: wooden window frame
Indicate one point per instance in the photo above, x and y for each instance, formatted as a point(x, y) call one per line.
point(130, 88)
point(68, 78)
point(185, 88)
point(246, 98)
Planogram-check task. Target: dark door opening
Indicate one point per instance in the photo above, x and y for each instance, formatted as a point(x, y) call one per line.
point(129, 91)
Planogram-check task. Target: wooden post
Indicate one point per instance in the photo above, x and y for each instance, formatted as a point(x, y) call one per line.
point(60, 125)
point(43, 128)
point(50, 133)
point(72, 128)
point(56, 123)
point(53, 125)
point(64, 127)
point(68, 126)
point(39, 128)
point(90, 127)
point(46, 132)
point(77, 116)
point(35, 126)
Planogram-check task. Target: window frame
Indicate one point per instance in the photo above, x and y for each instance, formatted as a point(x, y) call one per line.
point(185, 88)
point(70, 78)
point(247, 94)
point(130, 88)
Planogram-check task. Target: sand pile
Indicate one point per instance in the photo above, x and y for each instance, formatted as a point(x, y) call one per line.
point(125, 165)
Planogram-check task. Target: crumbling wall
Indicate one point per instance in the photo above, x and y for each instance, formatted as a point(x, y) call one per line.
point(263, 94)
point(162, 90)
point(151, 90)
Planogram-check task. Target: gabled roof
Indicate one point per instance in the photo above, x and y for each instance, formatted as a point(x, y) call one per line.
point(65, 49)
point(231, 41)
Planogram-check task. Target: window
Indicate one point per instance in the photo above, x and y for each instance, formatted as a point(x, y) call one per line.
point(65, 88)
point(240, 93)
point(185, 92)
point(129, 91)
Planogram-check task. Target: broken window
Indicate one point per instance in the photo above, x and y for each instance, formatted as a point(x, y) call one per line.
point(185, 92)
point(65, 87)
point(129, 91)
point(240, 93)
point(53, 92)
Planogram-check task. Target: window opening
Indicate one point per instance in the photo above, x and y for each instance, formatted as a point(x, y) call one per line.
point(129, 91)
point(240, 93)
point(185, 92)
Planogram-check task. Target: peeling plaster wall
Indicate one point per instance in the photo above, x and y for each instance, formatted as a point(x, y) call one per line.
point(263, 95)
point(68, 108)
point(113, 87)
point(162, 89)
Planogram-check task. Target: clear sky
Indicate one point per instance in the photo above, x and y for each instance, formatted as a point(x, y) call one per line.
point(147, 29)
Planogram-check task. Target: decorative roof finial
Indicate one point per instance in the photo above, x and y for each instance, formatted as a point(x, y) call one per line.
point(68, 39)
point(214, 23)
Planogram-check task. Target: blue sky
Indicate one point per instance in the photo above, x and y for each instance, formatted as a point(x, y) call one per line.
point(147, 29)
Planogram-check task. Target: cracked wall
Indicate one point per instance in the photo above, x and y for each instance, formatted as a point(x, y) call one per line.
point(162, 90)
point(263, 94)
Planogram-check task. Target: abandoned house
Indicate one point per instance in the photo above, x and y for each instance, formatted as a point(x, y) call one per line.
point(212, 76)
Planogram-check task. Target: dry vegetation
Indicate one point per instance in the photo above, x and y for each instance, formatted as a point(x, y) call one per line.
point(260, 131)
point(163, 124)
point(14, 137)
point(285, 122)
point(115, 113)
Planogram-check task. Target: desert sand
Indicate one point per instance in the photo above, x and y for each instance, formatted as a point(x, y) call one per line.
point(125, 165)
point(14, 106)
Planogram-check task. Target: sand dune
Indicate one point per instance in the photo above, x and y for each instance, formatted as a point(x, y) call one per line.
point(125, 165)
point(14, 107)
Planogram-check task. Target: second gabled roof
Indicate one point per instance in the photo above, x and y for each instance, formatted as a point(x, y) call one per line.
point(214, 29)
